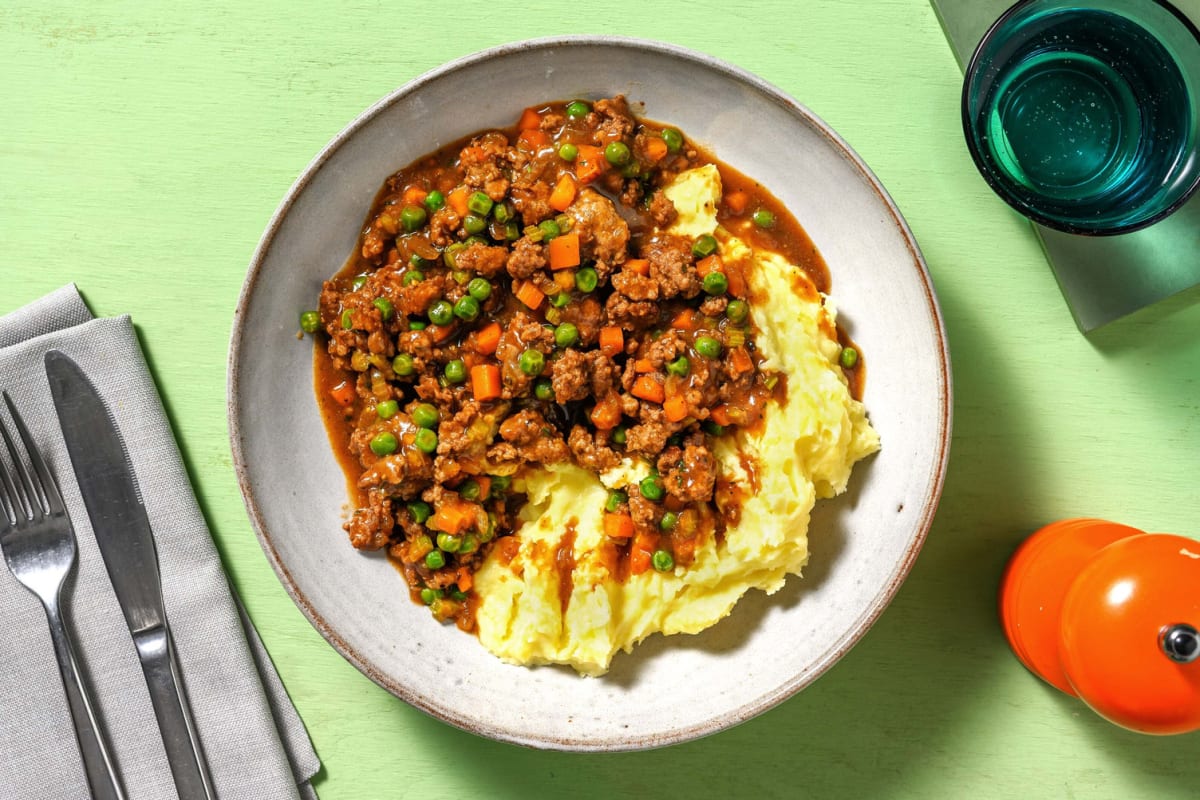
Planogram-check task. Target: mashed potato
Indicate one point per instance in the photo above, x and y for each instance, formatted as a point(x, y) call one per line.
point(557, 600)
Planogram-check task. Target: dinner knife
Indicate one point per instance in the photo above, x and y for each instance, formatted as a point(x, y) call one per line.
point(114, 504)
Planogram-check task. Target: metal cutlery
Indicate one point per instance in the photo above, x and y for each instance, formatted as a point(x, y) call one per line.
point(38, 542)
point(122, 528)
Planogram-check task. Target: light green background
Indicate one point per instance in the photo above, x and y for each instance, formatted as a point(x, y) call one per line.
point(144, 148)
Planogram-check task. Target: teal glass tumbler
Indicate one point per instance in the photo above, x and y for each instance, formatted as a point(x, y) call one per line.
point(1085, 116)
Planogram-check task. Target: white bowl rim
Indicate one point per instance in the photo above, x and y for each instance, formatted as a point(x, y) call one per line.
point(731, 717)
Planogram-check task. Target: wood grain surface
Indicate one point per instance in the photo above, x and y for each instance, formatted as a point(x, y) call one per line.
point(144, 147)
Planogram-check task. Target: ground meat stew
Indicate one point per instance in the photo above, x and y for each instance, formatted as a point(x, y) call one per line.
point(516, 300)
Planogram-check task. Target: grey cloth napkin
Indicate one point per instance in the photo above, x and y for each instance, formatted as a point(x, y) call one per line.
point(254, 740)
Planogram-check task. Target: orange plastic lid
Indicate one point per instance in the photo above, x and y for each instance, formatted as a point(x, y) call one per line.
point(1035, 585)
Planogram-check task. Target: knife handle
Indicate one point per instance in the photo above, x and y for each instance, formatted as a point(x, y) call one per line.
point(97, 761)
point(175, 723)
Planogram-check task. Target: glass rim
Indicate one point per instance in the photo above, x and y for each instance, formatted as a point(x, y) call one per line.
point(1001, 191)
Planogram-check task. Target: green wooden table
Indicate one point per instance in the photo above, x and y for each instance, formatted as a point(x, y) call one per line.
point(143, 149)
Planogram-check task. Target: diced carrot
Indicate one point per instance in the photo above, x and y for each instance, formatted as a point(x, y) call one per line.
point(485, 382)
point(736, 201)
point(712, 263)
point(590, 163)
point(457, 200)
point(530, 295)
point(414, 195)
point(641, 551)
point(534, 138)
point(485, 486)
point(643, 365)
point(618, 526)
point(646, 388)
point(655, 149)
point(720, 415)
point(563, 194)
point(453, 517)
point(741, 360)
point(606, 414)
point(737, 280)
point(530, 118)
point(440, 333)
point(612, 340)
point(675, 408)
point(685, 320)
point(343, 394)
point(564, 251)
point(487, 339)
point(464, 579)
point(639, 265)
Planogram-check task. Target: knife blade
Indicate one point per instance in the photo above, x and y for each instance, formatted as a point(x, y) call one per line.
point(113, 499)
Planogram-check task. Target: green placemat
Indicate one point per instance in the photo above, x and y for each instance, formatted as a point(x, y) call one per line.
point(1101, 278)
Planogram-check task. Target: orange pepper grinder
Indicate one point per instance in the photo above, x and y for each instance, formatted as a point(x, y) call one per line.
point(1109, 614)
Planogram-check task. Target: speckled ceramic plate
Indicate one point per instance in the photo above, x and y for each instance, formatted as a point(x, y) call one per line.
point(863, 543)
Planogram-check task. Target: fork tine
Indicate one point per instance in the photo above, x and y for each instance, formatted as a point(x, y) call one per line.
point(45, 478)
point(8, 490)
point(22, 505)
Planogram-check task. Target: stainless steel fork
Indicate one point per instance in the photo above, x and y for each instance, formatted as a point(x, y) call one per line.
point(39, 547)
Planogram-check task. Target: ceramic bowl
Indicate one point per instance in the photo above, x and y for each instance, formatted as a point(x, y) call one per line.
point(863, 544)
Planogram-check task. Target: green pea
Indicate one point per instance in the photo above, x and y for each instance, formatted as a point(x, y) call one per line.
point(473, 223)
point(470, 490)
point(614, 501)
point(662, 561)
point(450, 254)
point(543, 389)
point(764, 218)
point(549, 229)
point(470, 543)
point(416, 261)
point(680, 366)
point(347, 320)
point(384, 443)
point(434, 200)
point(673, 138)
point(617, 154)
point(449, 542)
point(708, 347)
point(715, 283)
point(467, 308)
point(403, 365)
point(425, 440)
point(429, 595)
point(502, 213)
point(310, 322)
point(737, 310)
point(512, 231)
point(712, 428)
point(849, 357)
point(652, 488)
point(420, 511)
point(568, 151)
point(412, 218)
point(566, 335)
point(586, 280)
point(560, 300)
point(385, 307)
point(425, 415)
point(441, 313)
point(455, 371)
point(705, 245)
point(480, 289)
point(358, 282)
point(413, 276)
point(386, 409)
point(669, 521)
point(532, 362)
point(500, 483)
point(480, 203)
point(578, 109)
point(436, 559)
point(618, 435)
point(417, 324)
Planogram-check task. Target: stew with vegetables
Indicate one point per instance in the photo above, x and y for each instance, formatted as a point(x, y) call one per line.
point(517, 300)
